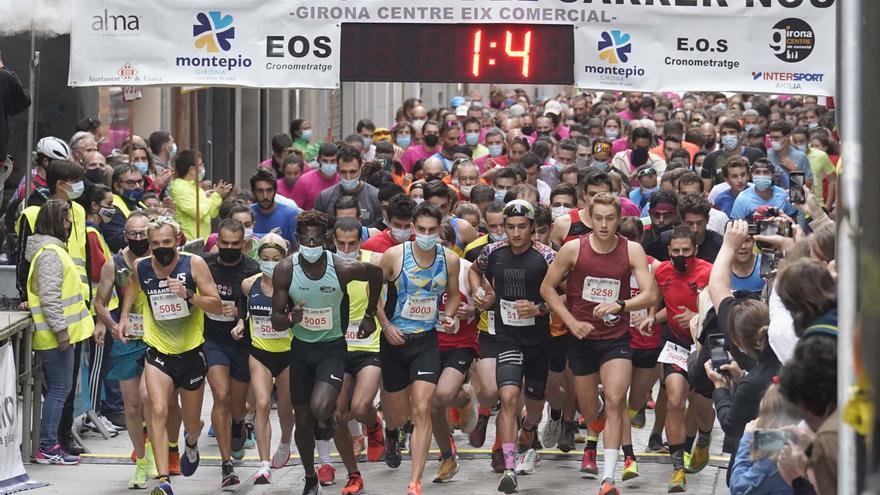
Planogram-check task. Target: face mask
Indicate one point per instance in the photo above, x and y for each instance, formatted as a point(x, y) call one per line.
point(559, 211)
point(762, 182)
point(813, 125)
point(164, 255)
point(328, 168)
point(404, 141)
point(495, 149)
point(133, 195)
point(472, 138)
point(698, 170)
point(96, 175)
point(682, 263)
point(776, 145)
point(400, 235)
point(581, 162)
point(611, 133)
point(710, 143)
point(528, 130)
point(426, 242)
point(248, 233)
point(429, 178)
point(800, 147)
point(349, 184)
point(368, 141)
point(142, 167)
point(497, 237)
point(749, 127)
point(639, 157)
point(138, 246)
point(230, 255)
point(311, 254)
point(729, 142)
point(307, 134)
point(466, 190)
point(76, 190)
point(499, 195)
point(349, 256)
point(418, 124)
point(172, 151)
point(603, 166)
point(202, 173)
point(431, 140)
point(268, 267)
point(106, 214)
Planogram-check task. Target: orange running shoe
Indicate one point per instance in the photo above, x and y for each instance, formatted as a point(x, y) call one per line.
point(375, 443)
point(174, 463)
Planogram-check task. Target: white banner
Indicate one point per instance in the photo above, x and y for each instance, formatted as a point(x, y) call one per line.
point(776, 46)
point(13, 477)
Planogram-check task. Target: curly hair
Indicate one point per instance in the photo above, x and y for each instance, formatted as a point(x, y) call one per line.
point(809, 378)
point(311, 218)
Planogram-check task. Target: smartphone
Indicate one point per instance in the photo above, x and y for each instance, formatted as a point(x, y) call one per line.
point(768, 263)
point(718, 354)
point(796, 188)
point(772, 441)
point(754, 229)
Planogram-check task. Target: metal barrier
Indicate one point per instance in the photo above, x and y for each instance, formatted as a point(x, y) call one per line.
point(15, 326)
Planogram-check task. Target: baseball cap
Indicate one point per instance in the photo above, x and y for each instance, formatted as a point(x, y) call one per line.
point(461, 111)
point(516, 110)
point(519, 208)
point(456, 101)
point(600, 147)
point(553, 107)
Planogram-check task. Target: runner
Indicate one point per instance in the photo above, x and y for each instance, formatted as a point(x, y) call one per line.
point(680, 279)
point(418, 273)
point(308, 293)
point(269, 358)
point(599, 267)
point(578, 222)
point(513, 269)
point(226, 345)
point(178, 287)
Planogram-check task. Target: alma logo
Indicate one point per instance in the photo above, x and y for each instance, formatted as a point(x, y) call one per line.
point(213, 31)
point(115, 22)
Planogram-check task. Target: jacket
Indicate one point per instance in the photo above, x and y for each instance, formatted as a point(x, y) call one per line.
point(13, 100)
point(183, 192)
point(749, 477)
point(48, 284)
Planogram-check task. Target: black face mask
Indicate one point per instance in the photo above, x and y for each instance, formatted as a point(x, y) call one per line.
point(432, 140)
point(230, 255)
point(96, 175)
point(164, 255)
point(139, 246)
point(429, 178)
point(639, 157)
point(679, 263)
point(527, 130)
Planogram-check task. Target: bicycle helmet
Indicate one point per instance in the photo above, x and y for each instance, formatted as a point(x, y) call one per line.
point(54, 148)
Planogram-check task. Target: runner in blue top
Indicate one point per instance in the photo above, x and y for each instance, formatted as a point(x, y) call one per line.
point(417, 273)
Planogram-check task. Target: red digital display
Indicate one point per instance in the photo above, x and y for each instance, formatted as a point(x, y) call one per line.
point(490, 53)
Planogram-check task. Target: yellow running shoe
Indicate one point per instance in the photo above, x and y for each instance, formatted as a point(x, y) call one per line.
point(678, 483)
point(699, 459)
point(630, 469)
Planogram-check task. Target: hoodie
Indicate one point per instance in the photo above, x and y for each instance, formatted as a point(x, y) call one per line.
point(46, 281)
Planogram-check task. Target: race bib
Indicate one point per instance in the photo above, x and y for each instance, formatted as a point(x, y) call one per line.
point(601, 290)
point(224, 305)
point(510, 316)
point(420, 308)
point(490, 317)
point(641, 314)
point(262, 328)
point(317, 319)
point(168, 306)
point(674, 354)
point(351, 335)
point(135, 325)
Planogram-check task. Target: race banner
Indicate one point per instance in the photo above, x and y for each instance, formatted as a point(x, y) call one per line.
point(772, 46)
point(13, 477)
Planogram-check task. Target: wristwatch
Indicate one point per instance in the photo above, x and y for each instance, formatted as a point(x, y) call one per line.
point(189, 295)
point(543, 310)
point(622, 304)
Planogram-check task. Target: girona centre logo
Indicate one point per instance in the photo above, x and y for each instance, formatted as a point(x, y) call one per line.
point(615, 47)
point(213, 31)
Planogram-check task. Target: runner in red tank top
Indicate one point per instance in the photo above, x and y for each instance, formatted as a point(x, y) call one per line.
point(599, 267)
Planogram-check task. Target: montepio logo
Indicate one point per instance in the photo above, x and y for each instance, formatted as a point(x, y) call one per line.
point(615, 47)
point(213, 31)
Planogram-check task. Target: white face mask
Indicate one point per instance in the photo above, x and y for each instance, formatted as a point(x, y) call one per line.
point(349, 256)
point(466, 190)
point(559, 211)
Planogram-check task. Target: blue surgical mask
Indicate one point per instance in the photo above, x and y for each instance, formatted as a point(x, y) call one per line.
point(311, 254)
point(307, 134)
point(762, 182)
point(612, 133)
point(601, 165)
point(133, 195)
point(77, 190)
point(800, 147)
point(497, 237)
point(499, 195)
point(328, 168)
point(472, 138)
point(495, 149)
point(349, 184)
point(400, 235)
point(143, 167)
point(426, 242)
point(404, 141)
point(813, 125)
point(349, 256)
point(581, 162)
point(368, 141)
point(560, 166)
point(749, 127)
point(729, 142)
point(268, 267)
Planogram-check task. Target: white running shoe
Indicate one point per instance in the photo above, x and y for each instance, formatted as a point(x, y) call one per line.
point(527, 462)
point(551, 432)
point(281, 456)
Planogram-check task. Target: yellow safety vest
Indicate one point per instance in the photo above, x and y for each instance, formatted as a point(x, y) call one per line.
point(76, 242)
point(121, 206)
point(114, 300)
point(80, 325)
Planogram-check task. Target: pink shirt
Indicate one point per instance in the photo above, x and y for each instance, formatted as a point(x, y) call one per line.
point(619, 145)
point(283, 189)
point(414, 154)
point(309, 186)
point(628, 208)
point(627, 115)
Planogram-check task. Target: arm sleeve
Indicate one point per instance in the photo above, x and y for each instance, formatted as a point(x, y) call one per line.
point(739, 210)
point(747, 475)
point(16, 99)
point(214, 202)
point(24, 266)
point(184, 199)
point(735, 412)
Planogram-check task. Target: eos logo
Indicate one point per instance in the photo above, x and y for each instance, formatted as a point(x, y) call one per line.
point(115, 22)
point(298, 46)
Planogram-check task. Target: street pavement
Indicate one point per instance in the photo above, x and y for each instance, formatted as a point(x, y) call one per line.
point(107, 469)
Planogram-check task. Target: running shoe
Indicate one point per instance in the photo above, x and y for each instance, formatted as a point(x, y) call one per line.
point(608, 488)
point(190, 460)
point(357, 445)
point(447, 470)
point(354, 486)
point(152, 473)
point(312, 486)
point(630, 469)
point(700, 455)
point(88, 425)
point(498, 461)
point(56, 455)
point(236, 443)
point(477, 436)
point(375, 443)
point(163, 488)
point(281, 456)
point(251, 441)
point(327, 475)
point(638, 421)
point(263, 476)
point(174, 463)
point(507, 483)
point(414, 488)
point(588, 462)
point(392, 449)
point(566, 441)
point(229, 477)
point(655, 444)
point(551, 432)
point(468, 414)
point(527, 462)
point(678, 482)
point(141, 466)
